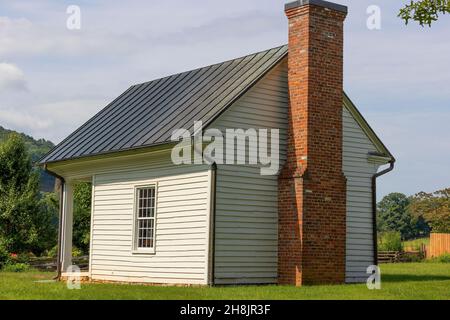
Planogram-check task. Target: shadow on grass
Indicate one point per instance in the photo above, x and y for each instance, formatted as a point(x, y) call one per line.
point(409, 277)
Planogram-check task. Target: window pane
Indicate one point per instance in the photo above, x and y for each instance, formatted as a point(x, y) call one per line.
point(145, 218)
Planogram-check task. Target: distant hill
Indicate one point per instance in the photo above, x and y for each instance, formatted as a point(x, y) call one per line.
point(37, 149)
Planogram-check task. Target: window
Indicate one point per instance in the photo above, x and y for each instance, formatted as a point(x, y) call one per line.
point(145, 218)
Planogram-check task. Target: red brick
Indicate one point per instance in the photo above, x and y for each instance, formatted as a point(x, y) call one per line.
point(312, 187)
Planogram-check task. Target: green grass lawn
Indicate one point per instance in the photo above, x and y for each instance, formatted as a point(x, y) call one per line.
point(399, 281)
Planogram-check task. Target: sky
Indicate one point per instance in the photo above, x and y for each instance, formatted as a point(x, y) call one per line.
point(53, 79)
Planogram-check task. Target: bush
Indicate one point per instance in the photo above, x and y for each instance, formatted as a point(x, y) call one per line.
point(25, 257)
point(390, 241)
point(444, 258)
point(16, 267)
point(76, 252)
point(410, 257)
point(53, 252)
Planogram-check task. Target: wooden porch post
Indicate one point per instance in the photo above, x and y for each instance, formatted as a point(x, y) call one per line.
point(67, 227)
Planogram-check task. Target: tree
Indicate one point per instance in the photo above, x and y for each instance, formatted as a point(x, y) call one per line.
point(392, 215)
point(36, 149)
point(28, 221)
point(424, 11)
point(47, 222)
point(21, 222)
point(434, 208)
point(82, 216)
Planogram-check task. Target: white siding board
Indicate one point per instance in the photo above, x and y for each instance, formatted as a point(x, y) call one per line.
point(246, 233)
point(181, 229)
point(359, 172)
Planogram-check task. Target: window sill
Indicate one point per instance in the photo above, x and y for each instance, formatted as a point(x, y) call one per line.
point(144, 252)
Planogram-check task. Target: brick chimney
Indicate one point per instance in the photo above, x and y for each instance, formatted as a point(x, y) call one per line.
point(312, 187)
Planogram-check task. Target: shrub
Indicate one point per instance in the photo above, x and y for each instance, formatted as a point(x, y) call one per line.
point(53, 252)
point(76, 252)
point(409, 257)
point(24, 257)
point(16, 267)
point(390, 241)
point(444, 258)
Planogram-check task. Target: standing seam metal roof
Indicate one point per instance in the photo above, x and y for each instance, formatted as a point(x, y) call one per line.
point(146, 114)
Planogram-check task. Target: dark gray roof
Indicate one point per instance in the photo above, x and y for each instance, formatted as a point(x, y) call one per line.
point(146, 114)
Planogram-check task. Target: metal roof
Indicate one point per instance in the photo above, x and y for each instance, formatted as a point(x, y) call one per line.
point(146, 114)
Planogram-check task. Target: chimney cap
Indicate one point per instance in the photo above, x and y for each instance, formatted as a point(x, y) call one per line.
point(321, 3)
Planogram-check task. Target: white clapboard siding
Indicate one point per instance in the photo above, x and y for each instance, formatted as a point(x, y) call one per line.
point(246, 225)
point(182, 227)
point(359, 172)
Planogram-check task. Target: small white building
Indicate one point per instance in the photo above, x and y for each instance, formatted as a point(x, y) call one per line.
point(157, 222)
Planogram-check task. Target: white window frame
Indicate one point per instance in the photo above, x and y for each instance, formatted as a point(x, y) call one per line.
point(135, 248)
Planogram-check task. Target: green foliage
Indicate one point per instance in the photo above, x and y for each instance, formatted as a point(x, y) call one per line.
point(19, 258)
point(424, 11)
point(444, 258)
point(393, 215)
point(434, 208)
point(4, 255)
point(53, 252)
point(76, 252)
point(390, 241)
point(23, 223)
point(36, 149)
point(19, 196)
point(82, 216)
point(48, 222)
point(29, 219)
point(411, 257)
point(16, 267)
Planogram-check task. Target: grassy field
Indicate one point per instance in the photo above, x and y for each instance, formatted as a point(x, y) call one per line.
point(415, 244)
point(399, 281)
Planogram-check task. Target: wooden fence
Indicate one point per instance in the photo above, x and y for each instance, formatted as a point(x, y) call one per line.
point(439, 245)
point(388, 256)
point(400, 256)
point(49, 264)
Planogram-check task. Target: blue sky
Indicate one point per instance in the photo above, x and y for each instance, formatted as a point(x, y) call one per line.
point(53, 79)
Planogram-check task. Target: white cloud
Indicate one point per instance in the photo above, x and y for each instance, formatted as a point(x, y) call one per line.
point(13, 118)
point(23, 38)
point(11, 77)
point(52, 121)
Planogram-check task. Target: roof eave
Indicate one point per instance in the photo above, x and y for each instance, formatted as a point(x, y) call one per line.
point(381, 147)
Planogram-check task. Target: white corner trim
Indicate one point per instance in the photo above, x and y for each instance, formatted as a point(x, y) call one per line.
point(92, 225)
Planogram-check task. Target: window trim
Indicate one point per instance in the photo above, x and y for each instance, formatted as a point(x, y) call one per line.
point(135, 248)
